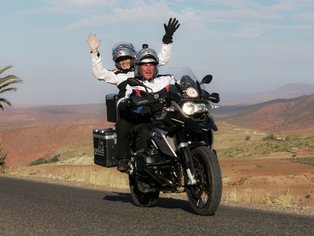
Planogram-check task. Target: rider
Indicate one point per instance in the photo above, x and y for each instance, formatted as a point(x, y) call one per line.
point(147, 72)
point(123, 54)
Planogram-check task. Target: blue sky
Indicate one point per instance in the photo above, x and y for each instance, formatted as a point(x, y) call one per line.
point(248, 46)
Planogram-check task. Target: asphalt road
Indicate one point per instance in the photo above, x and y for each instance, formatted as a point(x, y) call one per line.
point(36, 208)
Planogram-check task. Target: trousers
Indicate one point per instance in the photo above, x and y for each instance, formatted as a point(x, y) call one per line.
point(123, 127)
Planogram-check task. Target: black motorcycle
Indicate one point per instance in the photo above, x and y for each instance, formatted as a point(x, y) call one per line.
point(180, 157)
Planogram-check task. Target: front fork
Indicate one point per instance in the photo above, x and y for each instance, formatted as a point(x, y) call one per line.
point(187, 160)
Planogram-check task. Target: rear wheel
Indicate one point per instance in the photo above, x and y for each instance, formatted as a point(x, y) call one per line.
point(142, 199)
point(205, 195)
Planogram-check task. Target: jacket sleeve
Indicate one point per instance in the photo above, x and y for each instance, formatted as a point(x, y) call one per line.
point(165, 54)
point(100, 72)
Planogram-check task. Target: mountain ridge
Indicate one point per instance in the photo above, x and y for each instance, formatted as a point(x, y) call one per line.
point(279, 114)
point(291, 90)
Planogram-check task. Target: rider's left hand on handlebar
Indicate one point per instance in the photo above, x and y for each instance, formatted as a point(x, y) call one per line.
point(124, 105)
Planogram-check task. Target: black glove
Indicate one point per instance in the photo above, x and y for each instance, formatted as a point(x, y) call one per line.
point(124, 105)
point(172, 26)
point(130, 104)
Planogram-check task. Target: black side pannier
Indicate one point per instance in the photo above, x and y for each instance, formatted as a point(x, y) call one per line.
point(111, 105)
point(105, 145)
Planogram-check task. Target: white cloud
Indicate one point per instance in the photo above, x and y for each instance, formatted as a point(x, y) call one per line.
point(250, 31)
point(86, 3)
point(238, 18)
point(139, 12)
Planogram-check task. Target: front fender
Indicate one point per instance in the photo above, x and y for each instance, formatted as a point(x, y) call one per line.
point(196, 127)
point(196, 144)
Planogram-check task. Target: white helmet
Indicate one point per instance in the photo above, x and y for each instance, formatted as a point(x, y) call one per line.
point(146, 55)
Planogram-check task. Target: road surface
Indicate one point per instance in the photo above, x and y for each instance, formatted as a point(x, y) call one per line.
point(37, 208)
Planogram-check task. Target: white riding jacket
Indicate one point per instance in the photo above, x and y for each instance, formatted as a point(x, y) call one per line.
point(115, 76)
point(155, 85)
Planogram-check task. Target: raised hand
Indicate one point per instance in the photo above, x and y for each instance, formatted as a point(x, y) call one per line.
point(173, 25)
point(93, 42)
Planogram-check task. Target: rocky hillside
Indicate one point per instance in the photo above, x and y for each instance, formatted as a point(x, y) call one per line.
point(281, 114)
point(283, 92)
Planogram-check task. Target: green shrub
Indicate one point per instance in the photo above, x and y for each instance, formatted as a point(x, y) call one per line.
point(45, 160)
point(269, 137)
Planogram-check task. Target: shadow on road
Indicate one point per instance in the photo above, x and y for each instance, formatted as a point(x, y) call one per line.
point(162, 202)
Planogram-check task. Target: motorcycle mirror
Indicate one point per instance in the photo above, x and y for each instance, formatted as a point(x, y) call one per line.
point(207, 79)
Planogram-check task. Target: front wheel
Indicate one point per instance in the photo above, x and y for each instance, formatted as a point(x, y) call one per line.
point(142, 199)
point(205, 195)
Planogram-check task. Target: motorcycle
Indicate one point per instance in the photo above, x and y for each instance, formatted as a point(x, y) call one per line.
point(180, 157)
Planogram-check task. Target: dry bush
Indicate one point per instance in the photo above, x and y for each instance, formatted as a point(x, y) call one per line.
point(3, 157)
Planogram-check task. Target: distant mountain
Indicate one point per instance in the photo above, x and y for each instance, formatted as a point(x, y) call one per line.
point(279, 114)
point(285, 91)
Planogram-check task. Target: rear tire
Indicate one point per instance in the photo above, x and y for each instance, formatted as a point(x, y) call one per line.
point(205, 196)
point(142, 199)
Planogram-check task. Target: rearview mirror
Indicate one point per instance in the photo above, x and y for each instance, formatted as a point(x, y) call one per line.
point(207, 79)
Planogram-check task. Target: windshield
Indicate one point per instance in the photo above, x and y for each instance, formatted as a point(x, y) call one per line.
point(180, 72)
point(186, 80)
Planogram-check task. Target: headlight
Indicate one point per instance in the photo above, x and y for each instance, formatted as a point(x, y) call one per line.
point(191, 92)
point(191, 108)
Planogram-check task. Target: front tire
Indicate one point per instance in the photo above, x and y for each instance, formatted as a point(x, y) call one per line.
point(205, 196)
point(142, 199)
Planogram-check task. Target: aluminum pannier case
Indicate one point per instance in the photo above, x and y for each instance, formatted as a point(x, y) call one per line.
point(105, 145)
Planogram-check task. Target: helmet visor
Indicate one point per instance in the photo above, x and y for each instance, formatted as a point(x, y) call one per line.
point(148, 60)
point(123, 45)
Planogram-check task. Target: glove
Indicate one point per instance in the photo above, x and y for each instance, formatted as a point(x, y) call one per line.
point(129, 104)
point(93, 42)
point(172, 26)
point(124, 105)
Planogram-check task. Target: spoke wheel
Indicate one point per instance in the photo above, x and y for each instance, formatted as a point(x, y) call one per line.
point(205, 195)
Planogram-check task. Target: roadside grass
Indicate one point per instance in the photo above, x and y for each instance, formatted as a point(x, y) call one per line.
point(78, 150)
point(287, 198)
point(83, 149)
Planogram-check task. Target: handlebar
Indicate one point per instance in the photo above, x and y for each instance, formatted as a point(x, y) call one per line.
point(140, 101)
